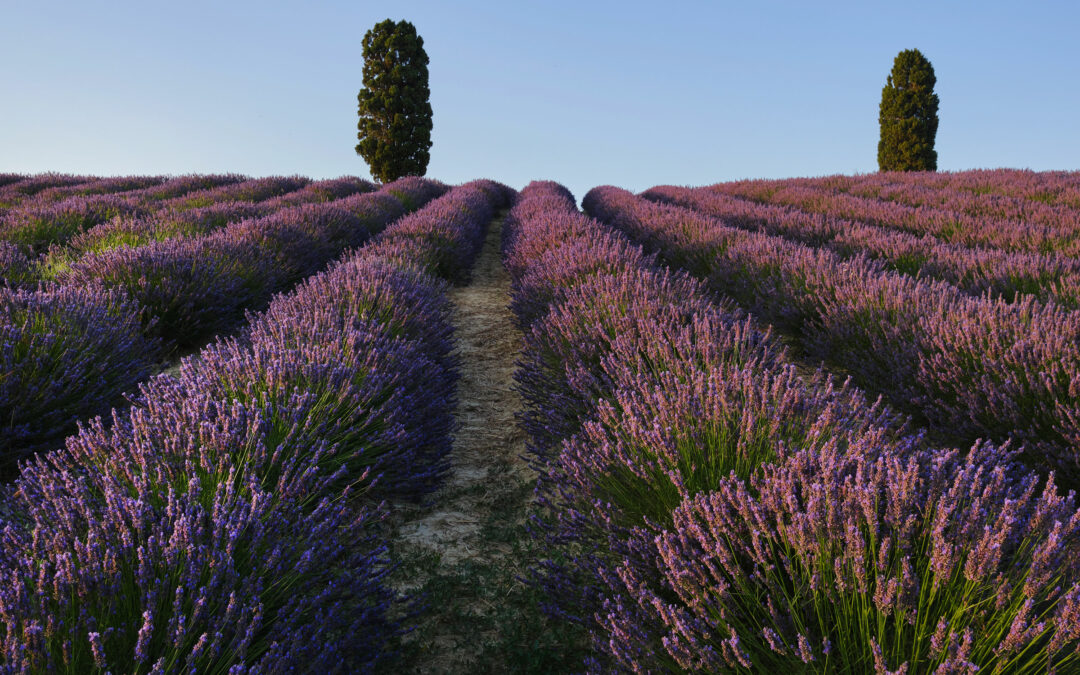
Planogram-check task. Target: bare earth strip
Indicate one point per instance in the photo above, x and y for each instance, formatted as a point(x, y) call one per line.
point(487, 442)
point(467, 549)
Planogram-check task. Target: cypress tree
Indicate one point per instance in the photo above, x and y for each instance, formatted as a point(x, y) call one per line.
point(909, 115)
point(395, 113)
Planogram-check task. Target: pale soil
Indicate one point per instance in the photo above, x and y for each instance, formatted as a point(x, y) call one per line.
point(448, 545)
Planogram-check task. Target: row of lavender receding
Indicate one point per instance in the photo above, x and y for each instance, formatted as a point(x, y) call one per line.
point(228, 521)
point(53, 230)
point(1056, 232)
point(971, 367)
point(1000, 273)
point(1002, 193)
point(72, 347)
point(707, 509)
point(53, 216)
point(178, 221)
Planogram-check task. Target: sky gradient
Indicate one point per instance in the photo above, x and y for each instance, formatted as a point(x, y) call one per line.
point(586, 93)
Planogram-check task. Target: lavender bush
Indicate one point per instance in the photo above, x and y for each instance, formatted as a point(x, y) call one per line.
point(445, 242)
point(323, 191)
point(15, 268)
point(164, 544)
point(857, 560)
point(68, 353)
point(15, 192)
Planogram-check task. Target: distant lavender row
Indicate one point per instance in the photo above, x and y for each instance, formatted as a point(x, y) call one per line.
point(182, 291)
point(708, 510)
point(1056, 188)
point(254, 190)
point(200, 285)
point(1045, 276)
point(948, 225)
point(988, 199)
point(169, 223)
point(51, 187)
point(446, 241)
point(15, 191)
point(972, 367)
point(249, 476)
point(41, 221)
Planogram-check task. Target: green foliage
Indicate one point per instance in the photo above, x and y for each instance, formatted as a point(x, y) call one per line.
point(395, 113)
point(909, 115)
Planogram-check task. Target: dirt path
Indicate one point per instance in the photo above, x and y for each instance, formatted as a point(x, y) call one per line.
point(487, 442)
point(466, 551)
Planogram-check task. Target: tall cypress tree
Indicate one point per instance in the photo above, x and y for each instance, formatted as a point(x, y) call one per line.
point(395, 113)
point(909, 115)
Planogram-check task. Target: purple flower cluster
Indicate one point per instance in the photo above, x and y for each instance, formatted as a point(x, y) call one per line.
point(1040, 197)
point(858, 560)
point(706, 508)
point(66, 353)
point(192, 288)
point(133, 185)
point(15, 268)
point(231, 510)
point(972, 367)
point(1003, 273)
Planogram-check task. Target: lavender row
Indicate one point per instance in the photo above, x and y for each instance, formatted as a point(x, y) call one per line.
point(65, 362)
point(1051, 199)
point(170, 223)
point(43, 221)
point(708, 510)
point(37, 192)
point(953, 226)
point(254, 190)
point(198, 286)
point(14, 191)
point(972, 367)
point(614, 346)
point(976, 271)
point(1054, 188)
point(988, 197)
point(231, 508)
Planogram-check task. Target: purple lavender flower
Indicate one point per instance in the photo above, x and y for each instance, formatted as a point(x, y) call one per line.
point(67, 353)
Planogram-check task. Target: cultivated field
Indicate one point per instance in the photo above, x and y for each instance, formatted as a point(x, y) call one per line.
point(810, 425)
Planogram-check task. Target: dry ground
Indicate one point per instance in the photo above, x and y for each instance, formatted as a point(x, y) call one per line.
point(467, 549)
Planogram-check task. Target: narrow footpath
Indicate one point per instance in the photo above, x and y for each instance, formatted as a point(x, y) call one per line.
point(468, 548)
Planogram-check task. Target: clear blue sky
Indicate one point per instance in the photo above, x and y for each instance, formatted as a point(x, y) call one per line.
point(628, 93)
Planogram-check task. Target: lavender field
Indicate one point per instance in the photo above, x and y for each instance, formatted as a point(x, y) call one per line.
point(823, 425)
